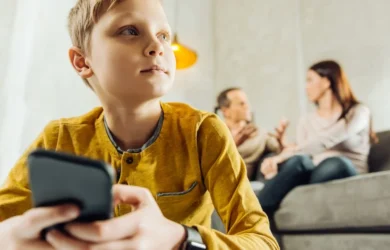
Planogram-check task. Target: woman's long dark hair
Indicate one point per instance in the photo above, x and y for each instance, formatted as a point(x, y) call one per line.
point(340, 87)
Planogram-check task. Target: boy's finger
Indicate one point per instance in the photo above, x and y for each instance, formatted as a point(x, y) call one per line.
point(61, 241)
point(110, 230)
point(37, 245)
point(133, 195)
point(36, 219)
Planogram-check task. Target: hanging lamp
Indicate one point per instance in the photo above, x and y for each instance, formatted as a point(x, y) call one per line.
point(185, 57)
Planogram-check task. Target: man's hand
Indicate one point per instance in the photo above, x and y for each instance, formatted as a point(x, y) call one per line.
point(269, 167)
point(245, 133)
point(280, 133)
point(23, 232)
point(144, 228)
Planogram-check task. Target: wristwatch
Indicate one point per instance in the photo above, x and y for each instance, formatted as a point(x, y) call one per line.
point(193, 240)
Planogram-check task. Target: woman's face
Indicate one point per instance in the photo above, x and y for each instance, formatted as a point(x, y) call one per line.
point(316, 85)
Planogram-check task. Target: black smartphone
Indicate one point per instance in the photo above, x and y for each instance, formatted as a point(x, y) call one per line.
point(59, 178)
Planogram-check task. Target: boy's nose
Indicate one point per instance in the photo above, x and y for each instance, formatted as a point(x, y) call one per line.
point(154, 49)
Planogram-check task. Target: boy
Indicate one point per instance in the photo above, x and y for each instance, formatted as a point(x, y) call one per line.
point(174, 162)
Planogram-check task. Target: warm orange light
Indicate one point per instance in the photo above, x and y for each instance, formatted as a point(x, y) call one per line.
point(185, 57)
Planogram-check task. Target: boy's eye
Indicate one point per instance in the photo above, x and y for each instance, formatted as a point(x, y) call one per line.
point(164, 37)
point(129, 31)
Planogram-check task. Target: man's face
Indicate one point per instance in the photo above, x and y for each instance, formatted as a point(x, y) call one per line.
point(130, 51)
point(239, 109)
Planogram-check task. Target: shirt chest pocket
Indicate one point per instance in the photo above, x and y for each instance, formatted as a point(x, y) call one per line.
point(177, 205)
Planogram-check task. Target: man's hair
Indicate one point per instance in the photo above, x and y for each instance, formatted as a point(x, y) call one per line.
point(223, 100)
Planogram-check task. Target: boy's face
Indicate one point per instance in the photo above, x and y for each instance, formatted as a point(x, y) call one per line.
point(130, 51)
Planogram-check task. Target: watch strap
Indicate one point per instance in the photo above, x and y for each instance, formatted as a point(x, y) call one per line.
point(193, 240)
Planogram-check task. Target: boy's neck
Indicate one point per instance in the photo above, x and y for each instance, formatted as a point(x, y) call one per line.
point(133, 125)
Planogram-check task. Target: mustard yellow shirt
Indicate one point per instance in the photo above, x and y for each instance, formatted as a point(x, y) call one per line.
point(191, 167)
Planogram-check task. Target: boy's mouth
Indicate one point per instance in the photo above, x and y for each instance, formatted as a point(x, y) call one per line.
point(154, 68)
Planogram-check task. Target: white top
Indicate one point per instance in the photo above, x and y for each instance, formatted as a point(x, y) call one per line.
point(323, 138)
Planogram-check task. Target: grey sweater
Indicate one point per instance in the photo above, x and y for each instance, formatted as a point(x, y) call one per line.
point(324, 138)
point(254, 148)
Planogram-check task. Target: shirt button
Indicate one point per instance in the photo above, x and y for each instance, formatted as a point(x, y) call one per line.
point(129, 160)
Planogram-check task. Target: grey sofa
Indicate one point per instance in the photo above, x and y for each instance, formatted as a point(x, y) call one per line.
point(348, 214)
point(352, 213)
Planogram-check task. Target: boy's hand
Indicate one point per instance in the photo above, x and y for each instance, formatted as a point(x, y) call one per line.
point(23, 232)
point(144, 228)
point(245, 133)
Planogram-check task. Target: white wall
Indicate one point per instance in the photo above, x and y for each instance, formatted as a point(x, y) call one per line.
point(265, 46)
point(40, 84)
point(195, 30)
point(6, 19)
point(256, 48)
point(360, 40)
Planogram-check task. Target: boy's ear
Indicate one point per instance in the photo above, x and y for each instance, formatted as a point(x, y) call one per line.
point(79, 62)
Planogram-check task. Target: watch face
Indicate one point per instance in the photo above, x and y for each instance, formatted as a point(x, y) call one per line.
point(195, 246)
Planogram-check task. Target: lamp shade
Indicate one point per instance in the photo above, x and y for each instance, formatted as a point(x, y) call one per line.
point(185, 57)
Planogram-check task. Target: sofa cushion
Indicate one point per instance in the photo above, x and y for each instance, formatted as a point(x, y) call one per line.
point(379, 157)
point(337, 242)
point(356, 202)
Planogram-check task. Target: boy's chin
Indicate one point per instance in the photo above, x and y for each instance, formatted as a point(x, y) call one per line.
point(155, 90)
point(142, 91)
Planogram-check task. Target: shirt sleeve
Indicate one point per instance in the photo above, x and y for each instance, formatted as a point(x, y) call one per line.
point(343, 129)
point(225, 177)
point(15, 194)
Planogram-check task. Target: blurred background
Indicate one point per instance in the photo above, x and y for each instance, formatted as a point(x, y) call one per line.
point(264, 46)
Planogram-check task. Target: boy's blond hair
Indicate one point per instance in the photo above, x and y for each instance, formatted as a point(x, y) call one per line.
point(82, 17)
point(81, 20)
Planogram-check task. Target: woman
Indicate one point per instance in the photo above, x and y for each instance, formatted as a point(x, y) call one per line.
point(336, 137)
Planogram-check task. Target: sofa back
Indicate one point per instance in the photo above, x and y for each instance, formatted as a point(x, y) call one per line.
point(379, 157)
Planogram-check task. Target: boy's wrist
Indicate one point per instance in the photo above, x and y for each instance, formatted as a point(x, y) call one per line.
point(181, 234)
